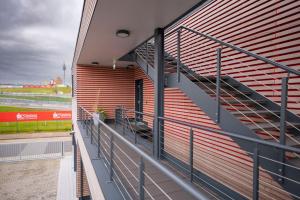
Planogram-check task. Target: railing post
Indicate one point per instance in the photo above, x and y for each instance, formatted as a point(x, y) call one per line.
point(255, 192)
point(123, 121)
point(141, 179)
point(147, 58)
point(91, 127)
point(99, 139)
point(86, 126)
point(111, 157)
point(153, 146)
point(218, 83)
point(62, 148)
point(191, 154)
point(159, 137)
point(79, 113)
point(178, 54)
point(283, 108)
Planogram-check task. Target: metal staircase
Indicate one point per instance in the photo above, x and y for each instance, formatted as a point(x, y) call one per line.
point(257, 112)
point(235, 106)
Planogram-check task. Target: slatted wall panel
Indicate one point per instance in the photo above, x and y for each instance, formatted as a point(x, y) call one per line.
point(105, 88)
point(268, 28)
point(215, 155)
point(82, 187)
point(148, 95)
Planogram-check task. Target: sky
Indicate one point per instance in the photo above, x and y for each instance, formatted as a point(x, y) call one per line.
point(36, 38)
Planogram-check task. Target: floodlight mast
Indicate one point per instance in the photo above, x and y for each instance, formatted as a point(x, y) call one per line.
point(64, 69)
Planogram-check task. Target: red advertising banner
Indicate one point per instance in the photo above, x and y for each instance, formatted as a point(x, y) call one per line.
point(35, 116)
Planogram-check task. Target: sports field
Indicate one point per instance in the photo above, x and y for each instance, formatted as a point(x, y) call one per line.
point(37, 98)
point(35, 126)
point(65, 90)
point(17, 109)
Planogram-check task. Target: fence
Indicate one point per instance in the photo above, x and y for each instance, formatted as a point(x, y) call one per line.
point(34, 150)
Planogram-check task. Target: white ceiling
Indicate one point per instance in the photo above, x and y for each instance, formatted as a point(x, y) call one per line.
point(140, 17)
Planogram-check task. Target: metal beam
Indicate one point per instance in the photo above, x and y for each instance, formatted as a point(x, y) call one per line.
point(158, 86)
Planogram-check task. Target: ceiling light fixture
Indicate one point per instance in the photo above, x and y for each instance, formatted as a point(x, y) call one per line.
point(114, 64)
point(95, 63)
point(122, 33)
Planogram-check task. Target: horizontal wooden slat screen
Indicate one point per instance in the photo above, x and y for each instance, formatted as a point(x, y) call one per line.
point(268, 28)
point(214, 155)
point(104, 88)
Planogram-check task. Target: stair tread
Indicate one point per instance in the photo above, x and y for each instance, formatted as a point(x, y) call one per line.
point(249, 112)
point(244, 101)
point(268, 125)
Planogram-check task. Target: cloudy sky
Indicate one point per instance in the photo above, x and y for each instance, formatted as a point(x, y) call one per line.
point(36, 38)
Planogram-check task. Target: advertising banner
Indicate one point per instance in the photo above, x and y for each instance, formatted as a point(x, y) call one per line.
point(35, 116)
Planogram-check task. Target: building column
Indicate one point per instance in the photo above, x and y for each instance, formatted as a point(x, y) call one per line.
point(158, 87)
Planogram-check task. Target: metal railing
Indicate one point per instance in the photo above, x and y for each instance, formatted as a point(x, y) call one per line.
point(137, 174)
point(34, 150)
point(195, 150)
point(136, 127)
point(221, 90)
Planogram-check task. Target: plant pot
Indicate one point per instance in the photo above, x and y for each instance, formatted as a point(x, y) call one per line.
point(96, 118)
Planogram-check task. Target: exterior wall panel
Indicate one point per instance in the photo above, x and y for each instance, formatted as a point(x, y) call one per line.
point(268, 28)
point(215, 155)
point(104, 88)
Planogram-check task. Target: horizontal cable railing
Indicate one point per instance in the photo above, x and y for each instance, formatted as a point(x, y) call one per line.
point(182, 43)
point(137, 174)
point(195, 150)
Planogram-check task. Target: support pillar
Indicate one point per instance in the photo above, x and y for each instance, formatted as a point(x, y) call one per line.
point(159, 80)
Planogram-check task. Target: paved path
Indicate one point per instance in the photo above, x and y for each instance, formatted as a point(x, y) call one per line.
point(8, 137)
point(66, 187)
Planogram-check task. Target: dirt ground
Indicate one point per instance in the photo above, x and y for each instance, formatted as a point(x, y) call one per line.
point(29, 180)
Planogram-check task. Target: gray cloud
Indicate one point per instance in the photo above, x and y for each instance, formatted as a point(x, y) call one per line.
point(36, 37)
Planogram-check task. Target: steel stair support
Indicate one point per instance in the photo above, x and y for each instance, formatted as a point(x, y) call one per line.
point(148, 70)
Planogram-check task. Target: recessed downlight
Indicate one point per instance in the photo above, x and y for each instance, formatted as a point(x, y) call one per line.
point(122, 33)
point(95, 63)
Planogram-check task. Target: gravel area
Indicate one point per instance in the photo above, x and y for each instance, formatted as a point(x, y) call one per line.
point(29, 180)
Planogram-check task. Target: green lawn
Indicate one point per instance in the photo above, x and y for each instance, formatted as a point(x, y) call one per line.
point(65, 90)
point(37, 98)
point(30, 127)
point(18, 109)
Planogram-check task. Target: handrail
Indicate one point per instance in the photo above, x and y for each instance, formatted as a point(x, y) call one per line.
point(187, 187)
point(267, 60)
point(235, 135)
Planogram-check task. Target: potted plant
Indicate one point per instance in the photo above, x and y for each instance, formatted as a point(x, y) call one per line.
point(99, 114)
